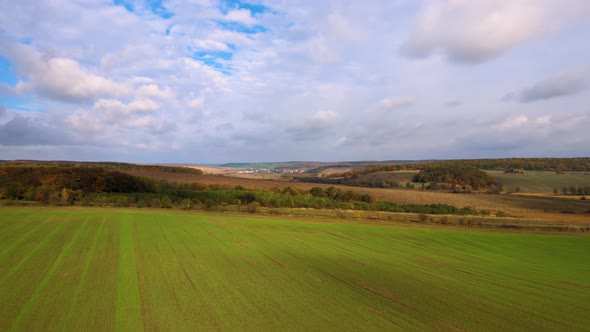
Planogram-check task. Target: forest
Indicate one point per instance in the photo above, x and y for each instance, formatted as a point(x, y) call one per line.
point(459, 177)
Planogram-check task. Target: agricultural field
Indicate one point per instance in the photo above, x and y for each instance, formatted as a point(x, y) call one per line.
point(107, 269)
point(512, 204)
point(540, 182)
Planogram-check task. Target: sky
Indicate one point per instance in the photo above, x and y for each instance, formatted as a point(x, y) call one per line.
point(206, 81)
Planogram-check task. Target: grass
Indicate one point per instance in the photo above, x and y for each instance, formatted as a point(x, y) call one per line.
point(93, 269)
point(540, 182)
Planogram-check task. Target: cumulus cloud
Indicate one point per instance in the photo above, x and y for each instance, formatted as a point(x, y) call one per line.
point(322, 119)
point(476, 31)
point(315, 127)
point(82, 122)
point(60, 78)
point(115, 111)
point(512, 122)
point(392, 103)
point(342, 140)
point(212, 45)
point(543, 120)
point(8, 90)
point(242, 16)
point(532, 138)
point(554, 87)
point(152, 125)
point(154, 91)
point(215, 82)
point(197, 103)
point(21, 130)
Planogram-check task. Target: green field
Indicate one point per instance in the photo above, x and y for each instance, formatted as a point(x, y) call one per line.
point(540, 182)
point(92, 269)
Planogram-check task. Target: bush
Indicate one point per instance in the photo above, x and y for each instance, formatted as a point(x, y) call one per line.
point(501, 214)
point(186, 204)
point(253, 207)
point(422, 218)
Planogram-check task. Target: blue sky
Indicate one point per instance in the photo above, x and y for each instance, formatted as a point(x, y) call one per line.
point(217, 81)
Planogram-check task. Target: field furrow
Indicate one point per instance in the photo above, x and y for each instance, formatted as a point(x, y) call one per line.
point(128, 312)
point(34, 262)
point(129, 270)
point(82, 266)
point(27, 319)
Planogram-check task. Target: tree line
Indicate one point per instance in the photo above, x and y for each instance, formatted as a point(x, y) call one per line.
point(459, 177)
point(503, 164)
point(100, 187)
point(573, 190)
point(111, 166)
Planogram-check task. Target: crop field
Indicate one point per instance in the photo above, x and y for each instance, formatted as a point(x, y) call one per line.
point(541, 181)
point(99, 269)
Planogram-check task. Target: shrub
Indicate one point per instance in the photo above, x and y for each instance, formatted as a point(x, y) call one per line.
point(253, 207)
point(186, 204)
point(422, 218)
point(165, 202)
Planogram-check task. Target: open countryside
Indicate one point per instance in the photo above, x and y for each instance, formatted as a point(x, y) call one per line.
point(257, 165)
point(103, 269)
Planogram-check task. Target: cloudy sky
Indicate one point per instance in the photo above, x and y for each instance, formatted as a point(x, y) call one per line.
point(206, 81)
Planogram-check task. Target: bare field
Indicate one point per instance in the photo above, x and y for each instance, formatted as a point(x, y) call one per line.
point(212, 169)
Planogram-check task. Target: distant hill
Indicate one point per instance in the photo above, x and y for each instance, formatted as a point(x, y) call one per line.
point(317, 166)
point(16, 181)
point(112, 166)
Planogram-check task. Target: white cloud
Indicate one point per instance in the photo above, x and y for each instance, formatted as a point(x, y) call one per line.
point(243, 16)
point(83, 122)
point(319, 80)
point(153, 91)
point(211, 45)
point(152, 125)
point(543, 120)
point(113, 111)
point(513, 122)
point(197, 103)
point(342, 140)
point(323, 119)
point(60, 78)
point(66, 79)
point(315, 127)
point(393, 103)
point(475, 31)
point(142, 106)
